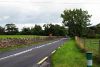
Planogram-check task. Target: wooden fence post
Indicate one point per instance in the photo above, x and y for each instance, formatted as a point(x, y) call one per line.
point(99, 47)
point(84, 43)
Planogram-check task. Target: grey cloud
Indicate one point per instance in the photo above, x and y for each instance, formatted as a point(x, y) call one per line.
point(19, 17)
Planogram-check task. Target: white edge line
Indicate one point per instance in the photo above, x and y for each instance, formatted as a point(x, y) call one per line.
point(53, 51)
point(59, 47)
point(40, 62)
point(16, 54)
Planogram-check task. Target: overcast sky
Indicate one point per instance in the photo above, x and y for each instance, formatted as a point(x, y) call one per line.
point(30, 12)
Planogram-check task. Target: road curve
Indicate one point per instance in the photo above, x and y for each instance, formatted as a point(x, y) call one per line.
point(29, 57)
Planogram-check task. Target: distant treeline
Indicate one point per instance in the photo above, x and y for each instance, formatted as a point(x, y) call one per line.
point(93, 31)
point(47, 29)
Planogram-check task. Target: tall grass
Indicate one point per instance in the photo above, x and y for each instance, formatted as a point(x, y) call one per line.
point(69, 56)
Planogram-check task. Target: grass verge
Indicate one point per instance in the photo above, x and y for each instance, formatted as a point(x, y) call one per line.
point(15, 47)
point(23, 46)
point(69, 56)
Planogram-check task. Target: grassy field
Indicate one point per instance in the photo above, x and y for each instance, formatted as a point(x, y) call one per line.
point(92, 45)
point(18, 36)
point(20, 45)
point(12, 48)
point(15, 47)
point(69, 56)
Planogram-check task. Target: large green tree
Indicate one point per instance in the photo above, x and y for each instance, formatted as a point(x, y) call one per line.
point(37, 30)
point(2, 30)
point(25, 31)
point(49, 29)
point(11, 29)
point(77, 20)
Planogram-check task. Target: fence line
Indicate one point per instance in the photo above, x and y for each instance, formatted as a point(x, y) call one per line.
point(80, 43)
point(91, 45)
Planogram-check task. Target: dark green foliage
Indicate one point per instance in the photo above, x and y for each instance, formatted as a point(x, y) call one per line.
point(37, 30)
point(91, 33)
point(11, 29)
point(48, 29)
point(25, 31)
point(55, 30)
point(2, 30)
point(94, 31)
point(77, 20)
point(97, 28)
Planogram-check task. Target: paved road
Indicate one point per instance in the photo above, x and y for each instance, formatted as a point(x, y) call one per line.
point(28, 57)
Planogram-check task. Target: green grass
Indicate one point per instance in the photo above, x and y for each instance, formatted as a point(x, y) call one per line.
point(69, 56)
point(92, 45)
point(16, 47)
point(18, 36)
point(20, 46)
point(11, 48)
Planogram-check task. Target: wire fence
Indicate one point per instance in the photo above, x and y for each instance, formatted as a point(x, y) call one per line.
point(90, 45)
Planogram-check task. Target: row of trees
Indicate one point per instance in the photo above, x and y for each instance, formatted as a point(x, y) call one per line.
point(94, 31)
point(56, 30)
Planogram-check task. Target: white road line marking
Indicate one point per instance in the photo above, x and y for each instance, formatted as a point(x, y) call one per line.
point(59, 47)
point(16, 54)
point(40, 62)
point(53, 51)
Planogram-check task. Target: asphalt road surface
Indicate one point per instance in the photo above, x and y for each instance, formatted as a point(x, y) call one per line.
point(30, 56)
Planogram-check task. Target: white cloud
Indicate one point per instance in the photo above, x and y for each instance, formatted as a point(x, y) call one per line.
point(30, 12)
point(4, 17)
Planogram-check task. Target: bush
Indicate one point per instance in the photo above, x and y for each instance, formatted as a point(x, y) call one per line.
point(97, 36)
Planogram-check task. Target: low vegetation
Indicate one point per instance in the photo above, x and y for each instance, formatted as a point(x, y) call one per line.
point(18, 36)
point(92, 45)
point(19, 46)
point(16, 46)
point(10, 42)
point(89, 44)
point(69, 56)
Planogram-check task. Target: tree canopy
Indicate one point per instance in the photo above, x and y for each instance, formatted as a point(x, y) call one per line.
point(11, 29)
point(46, 30)
point(37, 30)
point(55, 30)
point(77, 20)
point(2, 30)
point(25, 31)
